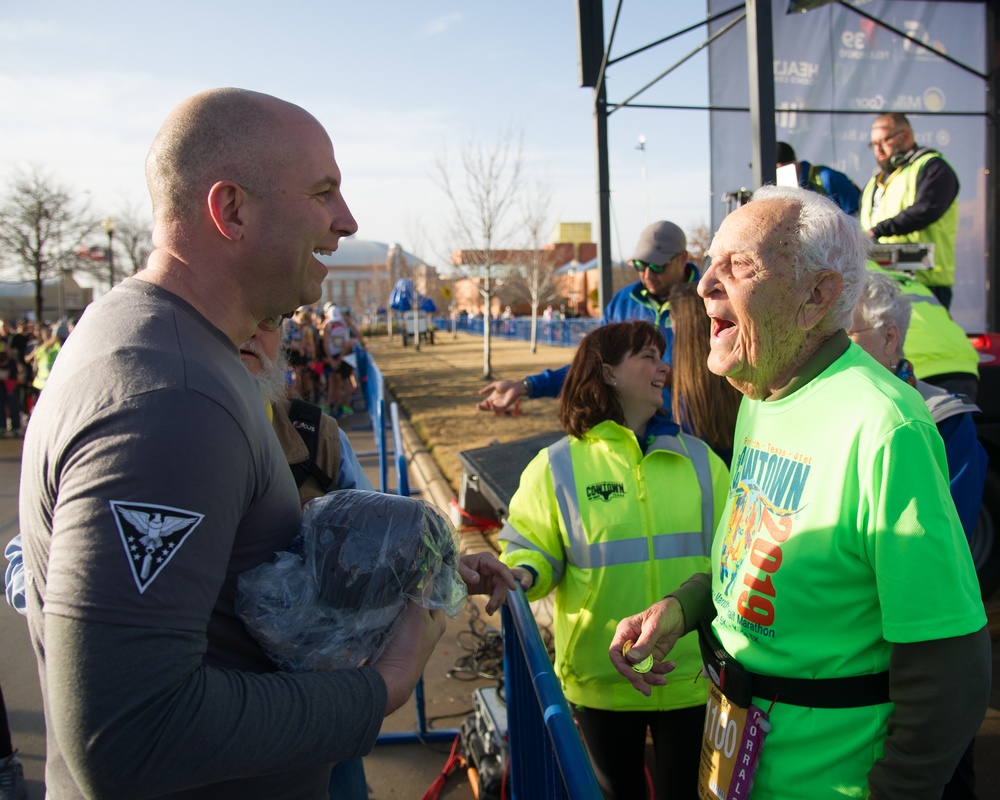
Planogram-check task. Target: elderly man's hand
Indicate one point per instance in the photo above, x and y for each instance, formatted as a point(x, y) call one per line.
point(653, 631)
point(501, 395)
point(484, 573)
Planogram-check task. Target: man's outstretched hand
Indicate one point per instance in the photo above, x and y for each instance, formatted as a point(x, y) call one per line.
point(484, 573)
point(500, 395)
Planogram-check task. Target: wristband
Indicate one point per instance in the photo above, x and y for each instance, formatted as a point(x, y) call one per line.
point(527, 387)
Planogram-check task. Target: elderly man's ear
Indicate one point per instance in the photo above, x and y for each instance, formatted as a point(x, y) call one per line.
point(824, 291)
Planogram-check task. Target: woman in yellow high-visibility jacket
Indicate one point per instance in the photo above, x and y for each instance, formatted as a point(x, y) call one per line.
point(612, 517)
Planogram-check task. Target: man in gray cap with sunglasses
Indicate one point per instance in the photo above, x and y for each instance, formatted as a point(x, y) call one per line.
point(661, 259)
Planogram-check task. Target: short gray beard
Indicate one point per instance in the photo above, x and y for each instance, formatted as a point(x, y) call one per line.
point(271, 380)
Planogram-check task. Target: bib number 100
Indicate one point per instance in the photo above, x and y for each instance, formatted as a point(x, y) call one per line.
point(721, 731)
point(730, 746)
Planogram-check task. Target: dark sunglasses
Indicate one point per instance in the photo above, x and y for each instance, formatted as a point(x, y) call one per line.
point(273, 323)
point(642, 266)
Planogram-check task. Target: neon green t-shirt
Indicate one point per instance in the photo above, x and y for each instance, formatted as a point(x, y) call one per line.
point(839, 537)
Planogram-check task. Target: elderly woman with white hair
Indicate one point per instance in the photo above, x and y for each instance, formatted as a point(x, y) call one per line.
point(881, 319)
point(841, 624)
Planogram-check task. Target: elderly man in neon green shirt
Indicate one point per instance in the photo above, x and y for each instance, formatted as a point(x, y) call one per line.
point(843, 600)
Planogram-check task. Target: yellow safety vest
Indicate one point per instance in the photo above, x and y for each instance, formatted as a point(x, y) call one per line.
point(935, 344)
point(900, 192)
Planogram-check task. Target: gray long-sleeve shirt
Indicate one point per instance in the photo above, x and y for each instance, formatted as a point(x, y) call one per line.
point(150, 480)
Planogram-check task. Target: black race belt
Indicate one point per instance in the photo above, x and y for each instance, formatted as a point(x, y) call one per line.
point(740, 685)
point(852, 692)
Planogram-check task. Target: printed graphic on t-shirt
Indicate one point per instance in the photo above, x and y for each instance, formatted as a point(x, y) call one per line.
point(151, 536)
point(766, 488)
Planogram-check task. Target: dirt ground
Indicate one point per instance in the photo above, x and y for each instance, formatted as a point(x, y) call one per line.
point(436, 387)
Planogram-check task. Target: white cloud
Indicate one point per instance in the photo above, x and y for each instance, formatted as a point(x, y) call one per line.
point(441, 24)
point(90, 131)
point(21, 31)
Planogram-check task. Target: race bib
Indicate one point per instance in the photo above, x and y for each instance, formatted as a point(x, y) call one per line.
point(730, 748)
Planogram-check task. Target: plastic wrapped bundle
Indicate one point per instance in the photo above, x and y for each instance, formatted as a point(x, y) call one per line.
point(334, 599)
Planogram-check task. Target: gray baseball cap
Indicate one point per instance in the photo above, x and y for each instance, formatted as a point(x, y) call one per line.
point(659, 243)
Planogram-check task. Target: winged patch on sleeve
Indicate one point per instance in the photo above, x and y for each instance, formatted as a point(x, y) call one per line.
point(151, 536)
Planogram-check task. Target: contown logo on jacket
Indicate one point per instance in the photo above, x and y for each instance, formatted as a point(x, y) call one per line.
point(605, 491)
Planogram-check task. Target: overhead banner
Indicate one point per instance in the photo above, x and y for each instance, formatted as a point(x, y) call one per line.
point(835, 71)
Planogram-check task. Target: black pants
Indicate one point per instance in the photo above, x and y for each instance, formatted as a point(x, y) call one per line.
point(11, 401)
point(962, 785)
point(616, 743)
point(6, 747)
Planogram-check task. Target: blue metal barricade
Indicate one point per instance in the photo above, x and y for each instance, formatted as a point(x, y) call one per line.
point(547, 757)
point(373, 386)
point(402, 473)
point(422, 733)
point(560, 333)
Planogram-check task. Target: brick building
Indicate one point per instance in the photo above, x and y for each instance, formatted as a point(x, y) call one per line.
point(361, 274)
point(567, 269)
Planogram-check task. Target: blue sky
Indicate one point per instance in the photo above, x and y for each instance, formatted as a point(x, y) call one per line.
point(86, 85)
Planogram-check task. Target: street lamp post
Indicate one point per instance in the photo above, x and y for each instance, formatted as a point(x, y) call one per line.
point(573, 294)
point(641, 147)
point(109, 228)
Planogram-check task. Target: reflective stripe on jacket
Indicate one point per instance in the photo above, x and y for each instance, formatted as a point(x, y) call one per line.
point(613, 530)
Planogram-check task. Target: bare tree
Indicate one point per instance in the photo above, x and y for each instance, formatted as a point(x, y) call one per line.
point(535, 280)
point(41, 229)
point(699, 238)
point(417, 273)
point(134, 233)
point(481, 205)
point(416, 244)
point(396, 269)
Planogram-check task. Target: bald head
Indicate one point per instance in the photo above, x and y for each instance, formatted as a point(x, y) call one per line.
point(893, 119)
point(246, 191)
point(219, 134)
